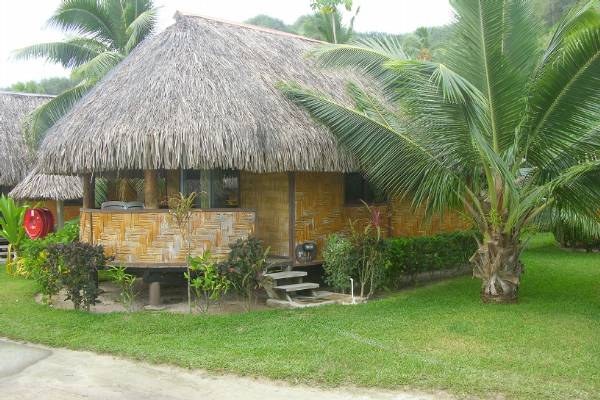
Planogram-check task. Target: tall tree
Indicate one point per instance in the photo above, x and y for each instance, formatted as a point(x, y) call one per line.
point(510, 137)
point(318, 26)
point(329, 9)
point(101, 34)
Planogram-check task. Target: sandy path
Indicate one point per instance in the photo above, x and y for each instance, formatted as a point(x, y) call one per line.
point(37, 372)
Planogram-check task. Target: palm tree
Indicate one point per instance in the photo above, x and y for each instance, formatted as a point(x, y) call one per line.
point(105, 32)
point(507, 133)
point(326, 27)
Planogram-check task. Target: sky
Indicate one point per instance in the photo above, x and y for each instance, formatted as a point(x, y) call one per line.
point(22, 23)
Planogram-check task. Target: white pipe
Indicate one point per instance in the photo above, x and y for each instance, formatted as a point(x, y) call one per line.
point(352, 290)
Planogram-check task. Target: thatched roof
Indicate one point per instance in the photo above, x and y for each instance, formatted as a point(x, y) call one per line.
point(202, 94)
point(15, 158)
point(38, 186)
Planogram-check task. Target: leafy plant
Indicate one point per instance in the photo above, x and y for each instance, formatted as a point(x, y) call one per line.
point(338, 262)
point(77, 265)
point(410, 256)
point(330, 8)
point(11, 227)
point(245, 266)
point(102, 33)
point(206, 280)
point(500, 131)
point(33, 263)
point(180, 207)
point(126, 283)
point(368, 252)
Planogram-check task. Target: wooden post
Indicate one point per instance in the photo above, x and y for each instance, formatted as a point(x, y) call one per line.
point(292, 217)
point(88, 191)
point(60, 214)
point(173, 182)
point(150, 188)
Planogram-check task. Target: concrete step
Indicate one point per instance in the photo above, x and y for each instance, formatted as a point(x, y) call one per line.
point(286, 274)
point(296, 287)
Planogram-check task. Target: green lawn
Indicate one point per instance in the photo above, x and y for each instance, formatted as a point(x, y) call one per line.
point(435, 337)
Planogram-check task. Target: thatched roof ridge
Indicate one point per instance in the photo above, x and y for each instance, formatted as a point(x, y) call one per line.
point(15, 158)
point(38, 186)
point(202, 94)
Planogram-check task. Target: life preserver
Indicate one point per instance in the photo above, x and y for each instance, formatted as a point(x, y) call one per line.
point(38, 222)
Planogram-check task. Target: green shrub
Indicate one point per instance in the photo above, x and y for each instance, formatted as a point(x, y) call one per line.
point(245, 266)
point(361, 256)
point(32, 262)
point(11, 227)
point(571, 237)
point(338, 262)
point(77, 265)
point(206, 280)
point(409, 256)
point(126, 283)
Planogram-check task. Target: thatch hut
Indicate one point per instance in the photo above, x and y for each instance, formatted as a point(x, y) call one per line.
point(55, 190)
point(15, 158)
point(16, 161)
point(196, 108)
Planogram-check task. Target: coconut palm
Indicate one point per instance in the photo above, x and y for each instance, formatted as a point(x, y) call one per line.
point(506, 133)
point(326, 27)
point(103, 33)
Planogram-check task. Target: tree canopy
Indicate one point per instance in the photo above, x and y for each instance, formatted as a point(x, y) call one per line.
point(514, 144)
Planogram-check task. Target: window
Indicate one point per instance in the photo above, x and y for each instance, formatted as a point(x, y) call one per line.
point(215, 189)
point(358, 189)
point(225, 189)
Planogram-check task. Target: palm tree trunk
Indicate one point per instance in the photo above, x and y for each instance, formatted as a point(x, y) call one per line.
point(333, 28)
point(497, 264)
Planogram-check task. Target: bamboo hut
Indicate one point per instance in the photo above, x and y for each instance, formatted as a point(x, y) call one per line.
point(15, 158)
point(16, 161)
point(54, 190)
point(196, 108)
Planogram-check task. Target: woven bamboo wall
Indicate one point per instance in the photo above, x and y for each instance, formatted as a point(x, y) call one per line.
point(319, 206)
point(320, 211)
point(268, 195)
point(407, 223)
point(153, 237)
point(71, 211)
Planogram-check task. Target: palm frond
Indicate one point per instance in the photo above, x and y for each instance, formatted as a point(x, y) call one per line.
point(141, 27)
point(42, 118)
point(84, 17)
point(96, 68)
point(492, 48)
point(383, 150)
point(564, 96)
point(70, 53)
point(366, 56)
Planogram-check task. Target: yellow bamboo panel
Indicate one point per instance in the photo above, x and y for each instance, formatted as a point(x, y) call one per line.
point(268, 195)
point(154, 238)
point(319, 206)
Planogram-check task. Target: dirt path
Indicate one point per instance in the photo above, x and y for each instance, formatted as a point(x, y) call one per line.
point(37, 372)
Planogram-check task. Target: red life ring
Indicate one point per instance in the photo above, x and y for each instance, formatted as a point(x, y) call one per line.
point(38, 222)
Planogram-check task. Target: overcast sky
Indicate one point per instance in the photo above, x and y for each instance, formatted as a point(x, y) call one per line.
point(22, 22)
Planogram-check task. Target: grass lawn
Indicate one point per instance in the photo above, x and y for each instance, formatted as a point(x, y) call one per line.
point(435, 337)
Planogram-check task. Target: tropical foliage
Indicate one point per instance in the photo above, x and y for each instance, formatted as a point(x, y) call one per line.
point(101, 34)
point(50, 86)
point(207, 281)
point(76, 267)
point(126, 283)
point(11, 227)
point(245, 266)
point(326, 25)
point(505, 133)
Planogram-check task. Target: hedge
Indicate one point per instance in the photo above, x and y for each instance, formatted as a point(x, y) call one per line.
point(410, 256)
point(571, 237)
